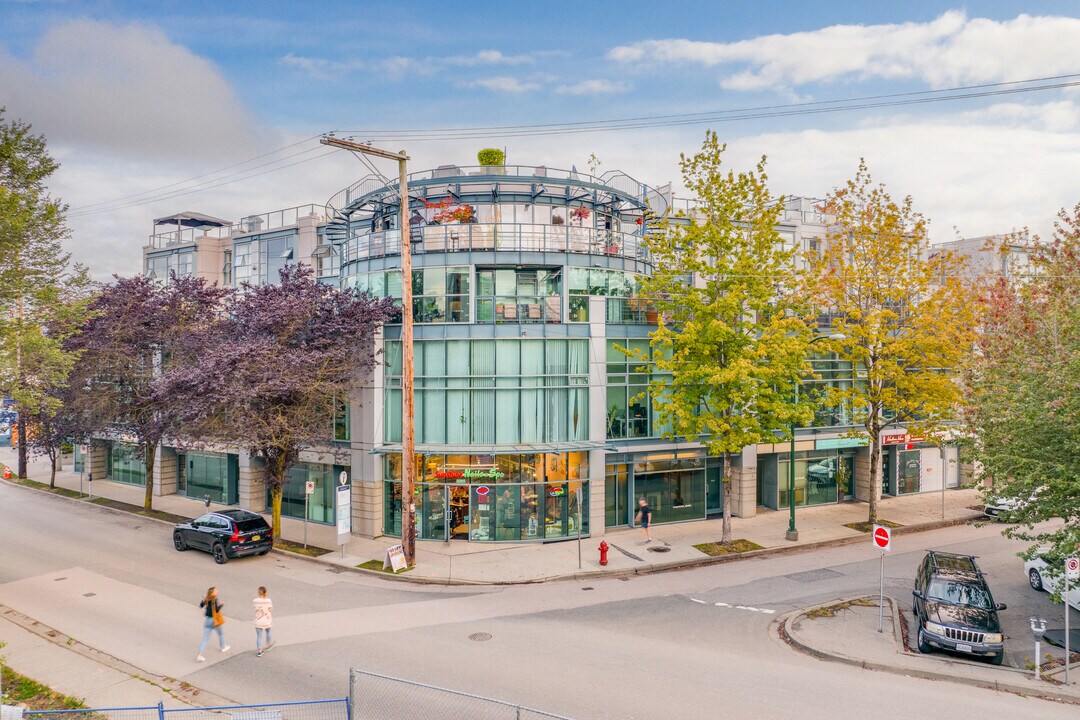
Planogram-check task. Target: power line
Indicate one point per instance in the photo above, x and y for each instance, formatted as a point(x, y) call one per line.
point(205, 185)
point(124, 198)
point(760, 112)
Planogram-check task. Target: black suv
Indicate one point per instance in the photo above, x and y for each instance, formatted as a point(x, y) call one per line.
point(954, 609)
point(226, 534)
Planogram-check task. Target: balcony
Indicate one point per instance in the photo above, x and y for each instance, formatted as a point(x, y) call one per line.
point(289, 217)
point(498, 237)
point(184, 236)
point(631, 311)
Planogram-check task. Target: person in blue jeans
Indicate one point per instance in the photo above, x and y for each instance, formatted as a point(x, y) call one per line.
point(211, 606)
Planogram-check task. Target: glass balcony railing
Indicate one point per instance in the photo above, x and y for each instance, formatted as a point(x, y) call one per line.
point(184, 236)
point(498, 237)
point(247, 225)
point(630, 311)
point(519, 309)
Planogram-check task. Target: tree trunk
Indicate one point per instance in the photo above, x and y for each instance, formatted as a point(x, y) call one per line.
point(52, 473)
point(150, 456)
point(875, 475)
point(275, 508)
point(20, 425)
point(725, 538)
point(275, 480)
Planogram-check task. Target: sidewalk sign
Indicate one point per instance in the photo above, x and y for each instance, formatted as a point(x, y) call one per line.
point(882, 539)
point(343, 510)
point(395, 558)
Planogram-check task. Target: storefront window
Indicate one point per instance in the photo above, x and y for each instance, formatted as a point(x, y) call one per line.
point(675, 488)
point(213, 474)
point(492, 498)
point(320, 504)
point(818, 477)
point(126, 464)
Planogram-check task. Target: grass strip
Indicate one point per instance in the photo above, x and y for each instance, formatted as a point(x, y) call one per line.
point(741, 545)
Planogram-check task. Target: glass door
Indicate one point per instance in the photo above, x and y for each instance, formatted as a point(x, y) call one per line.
point(910, 465)
point(458, 500)
point(433, 525)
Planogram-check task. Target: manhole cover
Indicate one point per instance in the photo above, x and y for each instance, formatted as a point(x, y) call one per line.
point(660, 548)
point(480, 637)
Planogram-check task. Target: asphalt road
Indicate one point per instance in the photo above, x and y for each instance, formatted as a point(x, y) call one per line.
point(647, 647)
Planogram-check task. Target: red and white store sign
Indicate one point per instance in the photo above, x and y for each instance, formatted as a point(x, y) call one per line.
point(901, 439)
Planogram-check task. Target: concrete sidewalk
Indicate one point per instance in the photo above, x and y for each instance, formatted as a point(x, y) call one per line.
point(487, 563)
point(847, 632)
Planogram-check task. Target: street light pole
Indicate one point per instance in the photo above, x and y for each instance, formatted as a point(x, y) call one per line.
point(408, 456)
point(792, 532)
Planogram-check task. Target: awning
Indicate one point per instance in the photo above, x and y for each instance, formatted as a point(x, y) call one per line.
point(531, 448)
point(192, 219)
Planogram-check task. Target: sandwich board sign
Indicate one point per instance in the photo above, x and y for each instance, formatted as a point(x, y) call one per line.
point(395, 558)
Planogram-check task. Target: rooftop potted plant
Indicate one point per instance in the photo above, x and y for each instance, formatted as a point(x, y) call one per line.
point(492, 159)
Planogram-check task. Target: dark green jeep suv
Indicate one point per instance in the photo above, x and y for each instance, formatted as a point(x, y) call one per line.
point(954, 609)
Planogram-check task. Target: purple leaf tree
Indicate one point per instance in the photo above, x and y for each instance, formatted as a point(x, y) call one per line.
point(277, 368)
point(139, 334)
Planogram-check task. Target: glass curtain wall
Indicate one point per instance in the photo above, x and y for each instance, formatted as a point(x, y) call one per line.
point(522, 295)
point(630, 412)
point(492, 391)
point(821, 477)
point(213, 474)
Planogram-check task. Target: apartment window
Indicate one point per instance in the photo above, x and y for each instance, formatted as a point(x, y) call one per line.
point(519, 295)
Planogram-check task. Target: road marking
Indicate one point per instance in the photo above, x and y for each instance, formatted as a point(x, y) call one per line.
point(722, 605)
point(698, 601)
point(748, 608)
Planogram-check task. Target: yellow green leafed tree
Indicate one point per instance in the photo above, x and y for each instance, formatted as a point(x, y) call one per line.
point(730, 347)
point(905, 314)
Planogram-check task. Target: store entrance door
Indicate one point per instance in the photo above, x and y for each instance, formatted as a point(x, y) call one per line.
point(458, 503)
point(910, 466)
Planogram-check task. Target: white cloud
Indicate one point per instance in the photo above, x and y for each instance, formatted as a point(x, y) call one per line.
point(950, 50)
point(489, 57)
point(593, 87)
point(320, 67)
point(503, 84)
point(126, 90)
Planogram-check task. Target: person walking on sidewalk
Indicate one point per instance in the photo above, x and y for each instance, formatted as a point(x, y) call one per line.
point(644, 515)
point(212, 620)
point(264, 621)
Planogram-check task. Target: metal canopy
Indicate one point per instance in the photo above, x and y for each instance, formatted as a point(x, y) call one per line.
point(530, 448)
point(192, 220)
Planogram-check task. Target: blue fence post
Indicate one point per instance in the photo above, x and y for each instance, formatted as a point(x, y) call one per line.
point(161, 710)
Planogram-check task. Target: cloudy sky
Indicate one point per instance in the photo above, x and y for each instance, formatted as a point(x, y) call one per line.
point(216, 107)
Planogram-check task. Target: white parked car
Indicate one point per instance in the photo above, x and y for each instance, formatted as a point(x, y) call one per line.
point(1039, 580)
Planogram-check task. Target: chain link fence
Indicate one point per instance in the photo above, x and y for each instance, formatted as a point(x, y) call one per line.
point(381, 697)
point(337, 709)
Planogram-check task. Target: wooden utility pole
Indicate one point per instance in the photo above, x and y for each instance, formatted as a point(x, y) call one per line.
point(408, 445)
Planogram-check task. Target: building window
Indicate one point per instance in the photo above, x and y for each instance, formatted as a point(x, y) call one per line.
point(245, 262)
point(584, 282)
point(208, 474)
point(629, 407)
point(440, 295)
point(126, 464)
point(493, 391)
point(320, 504)
point(226, 269)
point(519, 295)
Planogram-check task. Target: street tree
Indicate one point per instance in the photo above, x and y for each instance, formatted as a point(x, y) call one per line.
point(905, 316)
point(731, 345)
point(139, 333)
point(278, 369)
point(34, 270)
point(1023, 392)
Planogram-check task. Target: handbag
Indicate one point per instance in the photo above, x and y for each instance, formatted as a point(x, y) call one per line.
point(219, 619)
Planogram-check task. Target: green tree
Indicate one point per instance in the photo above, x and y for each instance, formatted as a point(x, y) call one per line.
point(35, 272)
point(1023, 392)
point(906, 317)
point(731, 345)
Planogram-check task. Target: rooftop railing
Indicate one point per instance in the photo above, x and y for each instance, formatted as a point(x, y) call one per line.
point(251, 224)
point(500, 237)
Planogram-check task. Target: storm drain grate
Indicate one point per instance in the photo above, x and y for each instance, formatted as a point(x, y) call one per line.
point(89, 594)
point(480, 636)
point(659, 548)
point(586, 588)
point(813, 575)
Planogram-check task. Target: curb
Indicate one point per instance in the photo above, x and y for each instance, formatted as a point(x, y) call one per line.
point(585, 574)
point(185, 692)
point(778, 629)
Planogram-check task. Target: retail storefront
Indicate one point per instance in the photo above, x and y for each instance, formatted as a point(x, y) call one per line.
point(126, 464)
point(824, 472)
point(493, 498)
point(207, 474)
point(680, 486)
point(912, 465)
point(320, 502)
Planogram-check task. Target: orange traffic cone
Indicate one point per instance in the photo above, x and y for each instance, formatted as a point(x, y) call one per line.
point(7, 473)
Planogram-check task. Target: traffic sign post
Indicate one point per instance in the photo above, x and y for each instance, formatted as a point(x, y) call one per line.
point(1072, 572)
point(343, 510)
point(882, 540)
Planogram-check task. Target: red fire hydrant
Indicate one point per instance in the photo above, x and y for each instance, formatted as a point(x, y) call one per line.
point(603, 552)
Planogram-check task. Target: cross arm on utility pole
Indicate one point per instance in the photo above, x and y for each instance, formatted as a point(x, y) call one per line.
point(363, 148)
